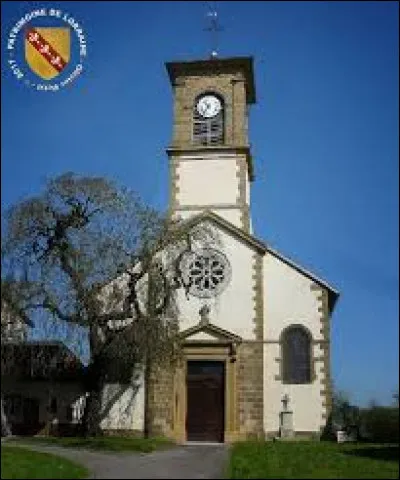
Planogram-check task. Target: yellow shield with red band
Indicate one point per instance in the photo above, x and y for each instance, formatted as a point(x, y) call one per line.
point(47, 50)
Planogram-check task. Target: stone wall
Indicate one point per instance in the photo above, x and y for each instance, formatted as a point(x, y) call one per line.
point(161, 396)
point(231, 86)
point(250, 390)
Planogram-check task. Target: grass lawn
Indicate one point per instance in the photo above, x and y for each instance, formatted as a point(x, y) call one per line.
point(18, 462)
point(114, 444)
point(313, 460)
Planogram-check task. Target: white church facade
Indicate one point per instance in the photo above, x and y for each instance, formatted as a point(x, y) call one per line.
point(255, 326)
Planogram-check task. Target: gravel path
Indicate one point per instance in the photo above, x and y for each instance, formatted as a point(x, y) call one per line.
point(187, 461)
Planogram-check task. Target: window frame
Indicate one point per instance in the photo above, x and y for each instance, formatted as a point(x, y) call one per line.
point(287, 377)
point(208, 124)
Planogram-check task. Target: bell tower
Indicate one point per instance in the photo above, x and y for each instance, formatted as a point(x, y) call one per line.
point(211, 166)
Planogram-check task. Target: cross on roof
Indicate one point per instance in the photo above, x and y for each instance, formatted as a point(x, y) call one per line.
point(214, 27)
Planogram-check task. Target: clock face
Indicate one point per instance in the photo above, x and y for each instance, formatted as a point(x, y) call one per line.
point(209, 106)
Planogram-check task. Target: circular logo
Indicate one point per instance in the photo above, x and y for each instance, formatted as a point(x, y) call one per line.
point(46, 49)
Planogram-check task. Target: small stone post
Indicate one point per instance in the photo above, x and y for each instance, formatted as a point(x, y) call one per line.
point(286, 419)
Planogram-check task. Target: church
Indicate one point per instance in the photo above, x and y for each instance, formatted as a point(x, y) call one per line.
point(255, 325)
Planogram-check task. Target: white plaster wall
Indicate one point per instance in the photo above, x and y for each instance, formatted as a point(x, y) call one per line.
point(233, 310)
point(289, 300)
point(305, 400)
point(207, 181)
point(233, 215)
point(247, 187)
point(127, 410)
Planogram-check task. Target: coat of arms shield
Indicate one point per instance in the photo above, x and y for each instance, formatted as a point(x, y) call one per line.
point(47, 50)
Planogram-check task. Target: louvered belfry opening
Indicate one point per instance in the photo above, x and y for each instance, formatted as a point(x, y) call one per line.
point(208, 131)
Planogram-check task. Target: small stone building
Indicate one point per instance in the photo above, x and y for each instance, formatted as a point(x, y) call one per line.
point(41, 385)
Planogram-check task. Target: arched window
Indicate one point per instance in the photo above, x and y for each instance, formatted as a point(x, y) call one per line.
point(296, 355)
point(208, 120)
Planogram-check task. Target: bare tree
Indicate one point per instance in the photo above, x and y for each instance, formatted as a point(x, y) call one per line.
point(93, 255)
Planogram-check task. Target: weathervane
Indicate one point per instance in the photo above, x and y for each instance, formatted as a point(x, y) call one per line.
point(213, 28)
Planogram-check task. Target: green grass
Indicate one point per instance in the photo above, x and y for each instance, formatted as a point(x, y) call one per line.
point(113, 444)
point(18, 462)
point(313, 460)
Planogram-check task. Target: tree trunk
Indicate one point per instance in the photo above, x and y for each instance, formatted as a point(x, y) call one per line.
point(94, 385)
point(147, 413)
point(5, 427)
point(91, 415)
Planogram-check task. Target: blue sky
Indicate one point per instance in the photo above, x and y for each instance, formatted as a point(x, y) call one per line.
point(324, 135)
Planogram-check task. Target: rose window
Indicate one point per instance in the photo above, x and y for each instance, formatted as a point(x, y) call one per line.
point(206, 272)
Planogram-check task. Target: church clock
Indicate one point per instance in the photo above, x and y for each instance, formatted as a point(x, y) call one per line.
point(208, 106)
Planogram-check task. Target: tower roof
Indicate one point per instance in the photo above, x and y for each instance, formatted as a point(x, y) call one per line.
point(243, 65)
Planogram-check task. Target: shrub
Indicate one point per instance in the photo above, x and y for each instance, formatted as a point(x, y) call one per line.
point(380, 424)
